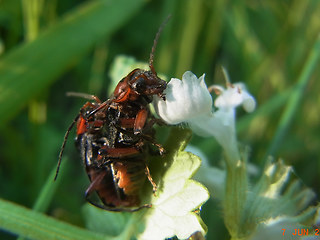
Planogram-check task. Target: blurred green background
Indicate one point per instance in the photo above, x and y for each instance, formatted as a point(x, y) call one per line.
point(50, 47)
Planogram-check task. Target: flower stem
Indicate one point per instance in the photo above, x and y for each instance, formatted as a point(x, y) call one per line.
point(235, 195)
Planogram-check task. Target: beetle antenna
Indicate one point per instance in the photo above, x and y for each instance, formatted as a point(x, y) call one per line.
point(155, 42)
point(64, 144)
point(84, 95)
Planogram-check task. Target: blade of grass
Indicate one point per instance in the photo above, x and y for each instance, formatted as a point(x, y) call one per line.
point(31, 67)
point(27, 223)
point(191, 26)
point(295, 98)
point(46, 193)
point(31, 13)
point(48, 189)
point(98, 66)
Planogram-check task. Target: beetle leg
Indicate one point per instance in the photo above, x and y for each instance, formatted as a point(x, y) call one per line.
point(154, 120)
point(148, 138)
point(147, 172)
point(140, 121)
point(154, 143)
point(93, 185)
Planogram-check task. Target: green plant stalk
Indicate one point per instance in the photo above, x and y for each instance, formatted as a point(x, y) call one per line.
point(98, 66)
point(191, 27)
point(163, 54)
point(235, 197)
point(50, 10)
point(30, 224)
point(31, 67)
point(213, 35)
point(236, 188)
point(48, 189)
point(31, 11)
point(295, 98)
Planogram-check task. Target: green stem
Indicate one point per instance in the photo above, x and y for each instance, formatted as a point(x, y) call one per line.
point(236, 188)
point(235, 198)
point(98, 66)
point(191, 27)
point(31, 11)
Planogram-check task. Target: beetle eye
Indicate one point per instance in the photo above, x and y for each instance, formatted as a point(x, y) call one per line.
point(139, 85)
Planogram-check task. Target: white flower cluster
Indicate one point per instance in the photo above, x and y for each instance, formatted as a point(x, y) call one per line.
point(189, 101)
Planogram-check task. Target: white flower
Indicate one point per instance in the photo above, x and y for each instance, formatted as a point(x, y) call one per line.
point(189, 101)
point(185, 100)
point(235, 95)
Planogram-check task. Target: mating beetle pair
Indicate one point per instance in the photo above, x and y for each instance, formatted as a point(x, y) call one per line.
point(113, 138)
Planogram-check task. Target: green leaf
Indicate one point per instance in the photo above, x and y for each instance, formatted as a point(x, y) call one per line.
point(178, 197)
point(278, 193)
point(278, 197)
point(30, 224)
point(31, 67)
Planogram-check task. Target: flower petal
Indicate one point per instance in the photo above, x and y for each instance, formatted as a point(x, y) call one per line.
point(185, 99)
point(235, 95)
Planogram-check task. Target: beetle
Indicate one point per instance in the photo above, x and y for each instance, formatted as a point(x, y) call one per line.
point(113, 138)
